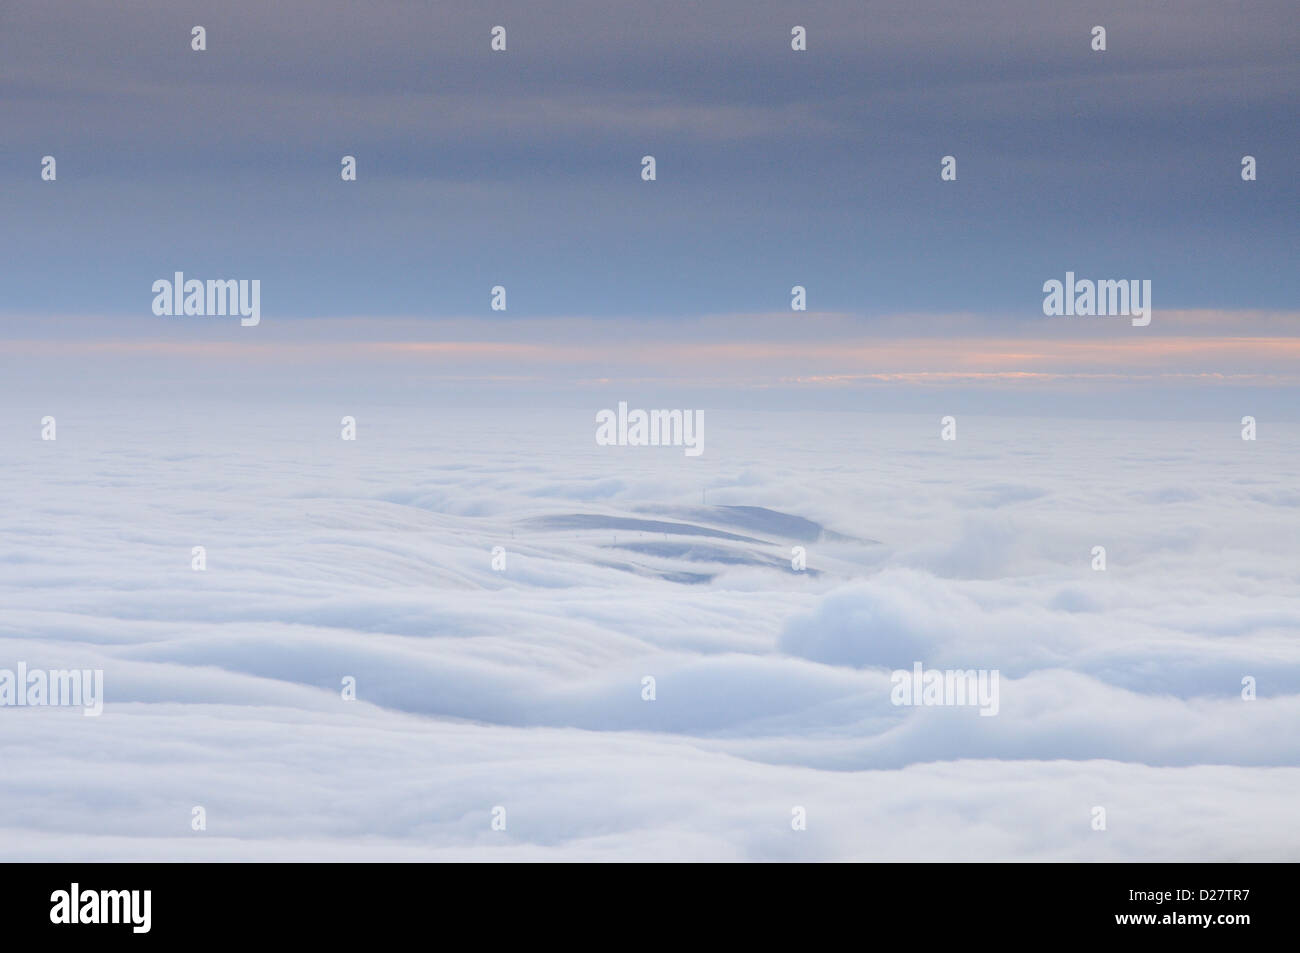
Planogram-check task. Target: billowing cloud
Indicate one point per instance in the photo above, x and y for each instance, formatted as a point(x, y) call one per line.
point(523, 688)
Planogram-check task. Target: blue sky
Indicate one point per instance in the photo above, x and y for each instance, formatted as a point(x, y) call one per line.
point(522, 169)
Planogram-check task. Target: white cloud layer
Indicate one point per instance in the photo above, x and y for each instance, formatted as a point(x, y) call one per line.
point(522, 688)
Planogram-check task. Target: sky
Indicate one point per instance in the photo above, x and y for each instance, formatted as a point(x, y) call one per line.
point(522, 168)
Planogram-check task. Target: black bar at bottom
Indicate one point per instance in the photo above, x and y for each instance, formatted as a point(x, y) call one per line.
point(338, 902)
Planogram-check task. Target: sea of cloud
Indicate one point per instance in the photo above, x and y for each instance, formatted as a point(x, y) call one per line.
point(523, 688)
